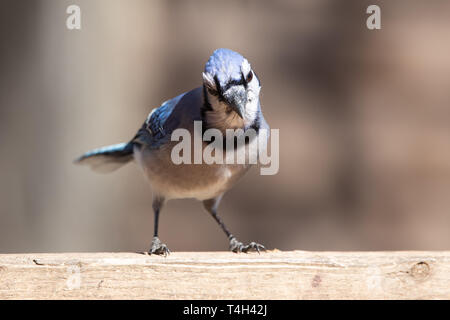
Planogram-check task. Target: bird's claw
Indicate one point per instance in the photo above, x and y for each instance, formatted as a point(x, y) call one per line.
point(158, 247)
point(237, 246)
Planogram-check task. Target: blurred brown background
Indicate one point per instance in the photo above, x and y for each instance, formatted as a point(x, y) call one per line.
point(364, 119)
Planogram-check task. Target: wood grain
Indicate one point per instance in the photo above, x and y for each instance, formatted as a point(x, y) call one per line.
point(223, 275)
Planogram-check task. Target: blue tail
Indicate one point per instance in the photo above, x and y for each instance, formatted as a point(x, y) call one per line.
point(107, 159)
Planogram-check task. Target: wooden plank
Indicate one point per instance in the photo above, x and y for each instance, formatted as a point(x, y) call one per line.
point(223, 275)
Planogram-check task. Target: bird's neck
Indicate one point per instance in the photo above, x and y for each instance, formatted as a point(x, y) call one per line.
point(220, 117)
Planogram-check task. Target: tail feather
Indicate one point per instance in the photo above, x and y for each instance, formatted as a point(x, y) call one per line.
point(107, 159)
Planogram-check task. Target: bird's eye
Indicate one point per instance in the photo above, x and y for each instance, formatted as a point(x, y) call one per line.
point(249, 76)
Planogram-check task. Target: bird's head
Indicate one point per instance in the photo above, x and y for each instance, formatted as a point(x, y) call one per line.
point(231, 86)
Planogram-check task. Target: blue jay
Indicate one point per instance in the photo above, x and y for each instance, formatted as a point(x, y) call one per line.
point(228, 99)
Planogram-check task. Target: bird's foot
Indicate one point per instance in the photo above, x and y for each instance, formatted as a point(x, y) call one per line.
point(158, 247)
point(237, 246)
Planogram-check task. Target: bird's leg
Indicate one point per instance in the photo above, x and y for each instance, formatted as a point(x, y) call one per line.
point(235, 245)
point(157, 247)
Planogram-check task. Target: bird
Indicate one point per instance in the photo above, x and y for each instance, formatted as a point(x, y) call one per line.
point(227, 99)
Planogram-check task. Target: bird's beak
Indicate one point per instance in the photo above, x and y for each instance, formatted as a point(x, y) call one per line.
point(239, 109)
point(237, 99)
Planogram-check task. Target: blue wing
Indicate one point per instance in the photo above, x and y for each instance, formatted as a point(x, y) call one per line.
point(152, 133)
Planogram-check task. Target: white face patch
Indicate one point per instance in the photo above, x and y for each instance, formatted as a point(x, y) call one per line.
point(208, 80)
point(253, 89)
point(251, 108)
point(245, 68)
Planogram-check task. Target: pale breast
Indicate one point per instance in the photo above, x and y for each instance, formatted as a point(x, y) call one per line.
point(199, 181)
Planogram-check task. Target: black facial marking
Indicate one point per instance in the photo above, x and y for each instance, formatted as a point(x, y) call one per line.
point(233, 82)
point(219, 89)
point(256, 124)
point(243, 80)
